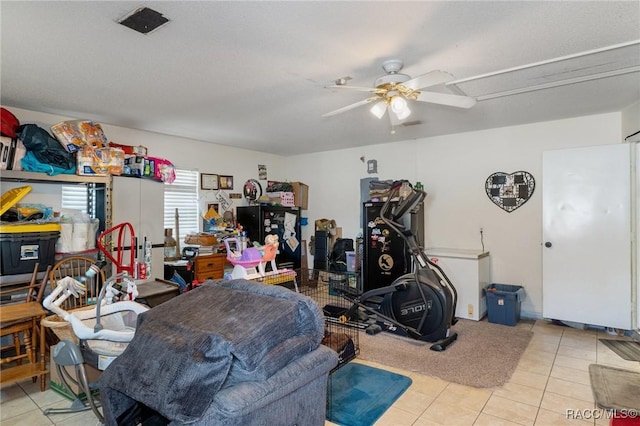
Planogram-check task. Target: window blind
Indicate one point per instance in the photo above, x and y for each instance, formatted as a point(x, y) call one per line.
point(75, 197)
point(182, 194)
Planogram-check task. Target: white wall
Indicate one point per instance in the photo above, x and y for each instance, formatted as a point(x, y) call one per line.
point(631, 120)
point(453, 170)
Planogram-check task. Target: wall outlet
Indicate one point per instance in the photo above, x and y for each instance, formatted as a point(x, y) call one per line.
point(470, 309)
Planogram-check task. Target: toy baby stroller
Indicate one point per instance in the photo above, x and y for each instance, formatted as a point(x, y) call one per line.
point(250, 263)
point(103, 332)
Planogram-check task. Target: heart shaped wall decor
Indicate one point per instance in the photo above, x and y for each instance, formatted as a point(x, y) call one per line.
point(510, 190)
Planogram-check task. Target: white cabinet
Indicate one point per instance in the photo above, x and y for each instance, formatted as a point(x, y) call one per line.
point(141, 203)
point(470, 272)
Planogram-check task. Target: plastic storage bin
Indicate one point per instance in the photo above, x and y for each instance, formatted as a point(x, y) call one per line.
point(503, 303)
point(22, 246)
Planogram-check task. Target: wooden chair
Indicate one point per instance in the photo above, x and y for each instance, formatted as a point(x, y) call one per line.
point(76, 267)
point(33, 292)
point(23, 317)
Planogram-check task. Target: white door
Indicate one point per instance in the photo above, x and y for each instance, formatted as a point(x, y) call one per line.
point(586, 231)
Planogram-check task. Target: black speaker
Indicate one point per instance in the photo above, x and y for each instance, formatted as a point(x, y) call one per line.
point(321, 251)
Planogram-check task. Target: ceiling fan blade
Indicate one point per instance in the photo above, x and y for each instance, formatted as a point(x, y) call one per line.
point(446, 99)
point(427, 80)
point(361, 89)
point(348, 107)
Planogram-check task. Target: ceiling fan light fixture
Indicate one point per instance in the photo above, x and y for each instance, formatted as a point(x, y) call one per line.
point(399, 107)
point(398, 104)
point(394, 90)
point(403, 114)
point(378, 109)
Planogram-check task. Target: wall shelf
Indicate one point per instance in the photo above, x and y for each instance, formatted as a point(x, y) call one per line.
point(21, 176)
point(98, 186)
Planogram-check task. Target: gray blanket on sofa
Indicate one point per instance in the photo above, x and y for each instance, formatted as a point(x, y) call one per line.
point(221, 333)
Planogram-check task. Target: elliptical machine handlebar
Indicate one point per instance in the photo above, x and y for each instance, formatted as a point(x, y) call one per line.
point(406, 203)
point(393, 217)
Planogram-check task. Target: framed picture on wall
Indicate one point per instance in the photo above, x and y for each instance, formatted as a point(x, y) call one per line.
point(208, 181)
point(225, 182)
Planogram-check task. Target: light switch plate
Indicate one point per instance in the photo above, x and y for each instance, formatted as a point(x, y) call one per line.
point(372, 166)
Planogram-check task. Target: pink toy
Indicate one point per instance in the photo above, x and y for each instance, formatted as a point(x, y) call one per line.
point(251, 262)
point(249, 258)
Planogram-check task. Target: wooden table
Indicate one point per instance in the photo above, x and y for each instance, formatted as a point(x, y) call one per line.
point(26, 317)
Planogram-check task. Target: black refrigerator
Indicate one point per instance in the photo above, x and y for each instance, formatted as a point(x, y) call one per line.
point(384, 255)
point(259, 221)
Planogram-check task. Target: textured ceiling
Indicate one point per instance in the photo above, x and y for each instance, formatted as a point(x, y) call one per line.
point(253, 74)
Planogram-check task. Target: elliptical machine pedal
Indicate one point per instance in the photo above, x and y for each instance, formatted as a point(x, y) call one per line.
point(373, 329)
point(441, 345)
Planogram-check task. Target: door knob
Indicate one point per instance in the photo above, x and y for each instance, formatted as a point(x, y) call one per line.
point(548, 244)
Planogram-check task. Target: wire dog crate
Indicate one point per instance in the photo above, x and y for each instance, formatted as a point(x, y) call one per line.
point(326, 288)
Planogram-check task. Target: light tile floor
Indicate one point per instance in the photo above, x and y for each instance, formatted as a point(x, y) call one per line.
point(551, 378)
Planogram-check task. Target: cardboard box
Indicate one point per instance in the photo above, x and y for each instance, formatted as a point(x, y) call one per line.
point(286, 199)
point(301, 194)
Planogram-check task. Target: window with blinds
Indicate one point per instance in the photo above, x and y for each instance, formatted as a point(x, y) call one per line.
point(182, 194)
point(74, 197)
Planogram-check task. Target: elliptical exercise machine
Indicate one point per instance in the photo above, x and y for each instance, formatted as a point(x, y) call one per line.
point(420, 304)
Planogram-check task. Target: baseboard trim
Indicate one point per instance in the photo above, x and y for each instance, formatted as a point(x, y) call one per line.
point(530, 315)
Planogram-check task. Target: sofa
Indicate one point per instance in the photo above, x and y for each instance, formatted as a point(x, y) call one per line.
point(230, 352)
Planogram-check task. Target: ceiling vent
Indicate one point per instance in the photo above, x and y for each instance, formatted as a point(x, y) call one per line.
point(144, 20)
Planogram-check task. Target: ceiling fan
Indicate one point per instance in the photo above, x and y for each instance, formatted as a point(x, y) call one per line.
point(393, 90)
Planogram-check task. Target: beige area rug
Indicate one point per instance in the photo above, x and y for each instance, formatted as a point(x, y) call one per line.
point(485, 354)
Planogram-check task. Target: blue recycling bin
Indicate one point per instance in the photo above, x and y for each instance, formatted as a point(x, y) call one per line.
point(503, 303)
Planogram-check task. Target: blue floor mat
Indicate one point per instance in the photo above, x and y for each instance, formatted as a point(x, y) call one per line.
point(358, 394)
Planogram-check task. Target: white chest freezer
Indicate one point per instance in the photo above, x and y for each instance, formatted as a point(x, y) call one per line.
point(469, 272)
